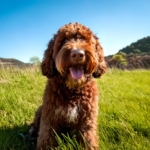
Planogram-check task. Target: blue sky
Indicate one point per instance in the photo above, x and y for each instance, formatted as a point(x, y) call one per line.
point(26, 26)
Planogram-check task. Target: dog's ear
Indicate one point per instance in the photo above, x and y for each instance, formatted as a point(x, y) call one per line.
point(48, 64)
point(101, 67)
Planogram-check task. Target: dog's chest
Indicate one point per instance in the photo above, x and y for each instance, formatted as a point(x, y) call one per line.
point(72, 114)
point(69, 114)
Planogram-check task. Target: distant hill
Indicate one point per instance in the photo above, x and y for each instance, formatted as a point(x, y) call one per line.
point(134, 56)
point(142, 46)
point(12, 62)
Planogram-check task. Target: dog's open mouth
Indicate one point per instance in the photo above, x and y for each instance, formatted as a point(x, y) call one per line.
point(76, 72)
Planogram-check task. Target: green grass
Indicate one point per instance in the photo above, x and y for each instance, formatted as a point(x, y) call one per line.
point(124, 108)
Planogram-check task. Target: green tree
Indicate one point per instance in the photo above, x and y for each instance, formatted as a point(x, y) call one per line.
point(122, 53)
point(131, 46)
point(119, 59)
point(131, 54)
point(35, 60)
point(137, 51)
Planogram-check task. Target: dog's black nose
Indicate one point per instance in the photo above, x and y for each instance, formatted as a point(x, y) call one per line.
point(77, 55)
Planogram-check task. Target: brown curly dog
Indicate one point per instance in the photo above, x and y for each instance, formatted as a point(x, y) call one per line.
point(72, 60)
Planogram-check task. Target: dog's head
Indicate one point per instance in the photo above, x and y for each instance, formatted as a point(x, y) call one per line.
point(74, 53)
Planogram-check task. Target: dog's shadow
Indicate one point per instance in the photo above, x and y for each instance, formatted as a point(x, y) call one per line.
point(15, 138)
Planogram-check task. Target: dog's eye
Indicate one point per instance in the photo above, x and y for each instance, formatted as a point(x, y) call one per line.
point(65, 41)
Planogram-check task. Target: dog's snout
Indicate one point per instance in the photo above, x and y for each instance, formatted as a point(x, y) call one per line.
point(77, 55)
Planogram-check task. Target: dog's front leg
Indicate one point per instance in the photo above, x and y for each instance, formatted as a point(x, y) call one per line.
point(46, 138)
point(88, 136)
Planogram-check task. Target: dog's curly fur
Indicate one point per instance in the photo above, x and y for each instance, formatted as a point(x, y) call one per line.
point(70, 101)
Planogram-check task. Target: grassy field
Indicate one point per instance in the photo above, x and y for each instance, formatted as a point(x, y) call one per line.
point(124, 108)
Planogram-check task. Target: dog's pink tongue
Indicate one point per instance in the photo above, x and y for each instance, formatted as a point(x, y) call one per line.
point(76, 72)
